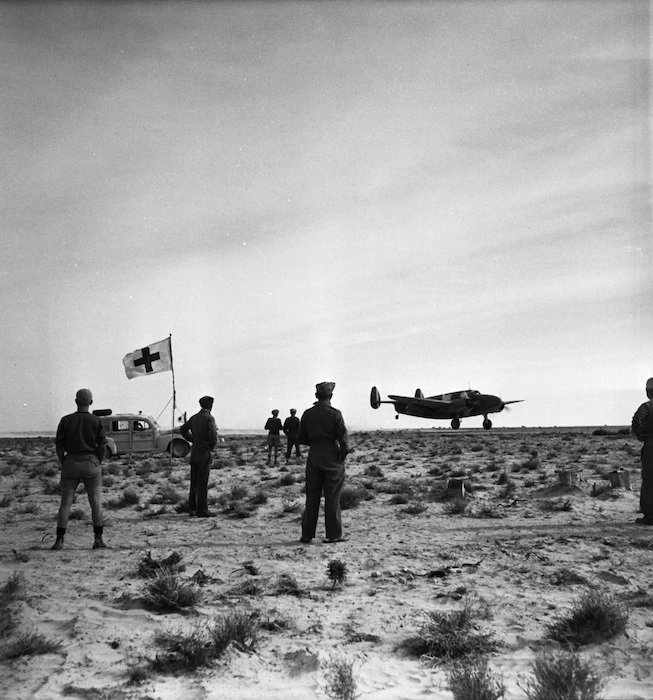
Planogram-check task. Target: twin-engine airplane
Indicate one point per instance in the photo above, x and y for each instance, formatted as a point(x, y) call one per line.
point(453, 406)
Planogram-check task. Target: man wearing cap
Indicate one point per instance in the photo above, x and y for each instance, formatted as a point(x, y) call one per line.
point(290, 429)
point(202, 432)
point(642, 426)
point(323, 429)
point(273, 426)
point(80, 444)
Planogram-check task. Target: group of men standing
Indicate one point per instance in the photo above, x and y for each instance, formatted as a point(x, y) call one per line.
point(290, 428)
point(80, 444)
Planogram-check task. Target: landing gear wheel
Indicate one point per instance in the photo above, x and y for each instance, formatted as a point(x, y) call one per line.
point(455, 423)
point(487, 423)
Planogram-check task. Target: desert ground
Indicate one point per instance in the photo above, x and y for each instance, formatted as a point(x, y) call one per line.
point(543, 522)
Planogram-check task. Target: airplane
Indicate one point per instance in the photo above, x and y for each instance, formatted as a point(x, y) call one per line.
point(454, 406)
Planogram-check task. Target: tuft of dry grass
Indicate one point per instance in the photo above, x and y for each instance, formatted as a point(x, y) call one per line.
point(595, 617)
point(563, 676)
point(471, 679)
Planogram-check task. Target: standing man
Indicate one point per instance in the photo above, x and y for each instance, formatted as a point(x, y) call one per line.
point(643, 428)
point(274, 427)
point(80, 445)
point(202, 432)
point(290, 429)
point(322, 428)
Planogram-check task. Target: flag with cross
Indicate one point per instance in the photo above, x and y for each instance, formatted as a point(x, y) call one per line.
point(156, 357)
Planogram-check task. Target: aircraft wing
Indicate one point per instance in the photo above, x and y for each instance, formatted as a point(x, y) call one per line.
point(427, 403)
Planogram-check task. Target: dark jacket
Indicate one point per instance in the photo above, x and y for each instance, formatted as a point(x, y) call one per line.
point(291, 425)
point(643, 422)
point(80, 433)
point(323, 423)
point(201, 430)
point(273, 425)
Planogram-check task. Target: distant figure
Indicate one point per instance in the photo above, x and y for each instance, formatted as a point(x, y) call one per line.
point(274, 427)
point(290, 429)
point(643, 428)
point(80, 445)
point(323, 429)
point(202, 432)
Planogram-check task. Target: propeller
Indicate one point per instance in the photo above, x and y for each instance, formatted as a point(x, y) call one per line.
point(505, 405)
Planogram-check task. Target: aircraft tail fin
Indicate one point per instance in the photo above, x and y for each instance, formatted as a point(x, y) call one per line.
point(419, 394)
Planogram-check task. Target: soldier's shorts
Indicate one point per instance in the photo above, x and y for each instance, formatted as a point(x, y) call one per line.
point(84, 468)
point(274, 439)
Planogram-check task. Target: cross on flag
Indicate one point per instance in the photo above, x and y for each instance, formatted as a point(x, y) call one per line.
point(156, 357)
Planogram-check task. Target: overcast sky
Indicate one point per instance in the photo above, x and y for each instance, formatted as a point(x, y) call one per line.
point(440, 195)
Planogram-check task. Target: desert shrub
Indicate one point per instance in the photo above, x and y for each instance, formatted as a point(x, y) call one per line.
point(166, 494)
point(398, 499)
point(108, 480)
point(137, 674)
point(258, 498)
point(129, 497)
point(77, 514)
point(112, 468)
point(291, 507)
point(556, 505)
point(337, 572)
point(415, 508)
point(6, 500)
point(286, 479)
point(236, 627)
point(12, 590)
point(183, 650)
point(51, 487)
point(249, 587)
point(31, 644)
point(563, 676)
point(456, 506)
point(595, 617)
point(351, 496)
point(451, 635)
point(286, 584)
point(150, 567)
point(470, 679)
point(339, 681)
point(144, 468)
point(489, 510)
point(166, 593)
point(374, 470)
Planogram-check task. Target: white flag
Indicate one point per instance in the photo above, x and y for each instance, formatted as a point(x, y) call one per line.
point(156, 357)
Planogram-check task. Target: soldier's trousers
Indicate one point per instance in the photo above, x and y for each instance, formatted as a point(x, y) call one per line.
point(646, 494)
point(200, 468)
point(324, 474)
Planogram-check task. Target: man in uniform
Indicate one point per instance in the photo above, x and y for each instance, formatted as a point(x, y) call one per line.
point(323, 429)
point(202, 432)
point(643, 428)
point(273, 426)
point(290, 429)
point(80, 445)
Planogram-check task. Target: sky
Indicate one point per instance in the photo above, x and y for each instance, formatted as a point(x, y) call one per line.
point(443, 195)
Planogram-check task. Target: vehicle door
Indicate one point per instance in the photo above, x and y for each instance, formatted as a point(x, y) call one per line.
point(118, 429)
point(142, 435)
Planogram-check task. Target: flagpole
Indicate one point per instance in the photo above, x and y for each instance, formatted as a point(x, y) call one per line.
point(174, 400)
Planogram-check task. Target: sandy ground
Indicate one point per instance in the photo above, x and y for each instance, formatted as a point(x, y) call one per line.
point(525, 546)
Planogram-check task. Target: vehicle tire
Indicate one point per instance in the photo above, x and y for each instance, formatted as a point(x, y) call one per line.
point(107, 453)
point(180, 448)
